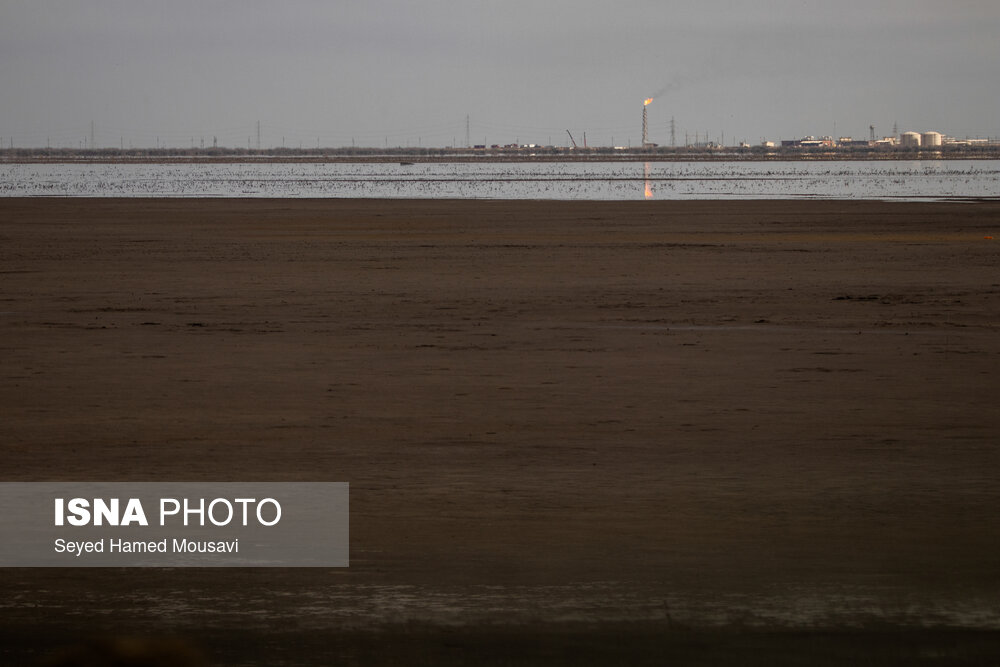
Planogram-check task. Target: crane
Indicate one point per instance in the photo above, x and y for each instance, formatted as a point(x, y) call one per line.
point(571, 138)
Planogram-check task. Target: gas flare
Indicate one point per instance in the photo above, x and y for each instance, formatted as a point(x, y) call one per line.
point(647, 102)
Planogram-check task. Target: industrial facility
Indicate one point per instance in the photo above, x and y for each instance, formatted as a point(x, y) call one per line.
point(907, 140)
point(703, 144)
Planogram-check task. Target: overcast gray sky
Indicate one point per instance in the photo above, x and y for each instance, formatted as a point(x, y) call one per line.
point(405, 72)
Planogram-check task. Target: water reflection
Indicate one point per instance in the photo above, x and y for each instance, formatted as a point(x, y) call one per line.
point(602, 181)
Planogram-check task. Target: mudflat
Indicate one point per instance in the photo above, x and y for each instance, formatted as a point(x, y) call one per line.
point(575, 432)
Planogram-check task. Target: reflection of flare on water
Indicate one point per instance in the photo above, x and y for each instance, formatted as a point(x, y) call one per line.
point(645, 174)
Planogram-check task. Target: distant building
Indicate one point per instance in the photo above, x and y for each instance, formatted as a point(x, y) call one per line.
point(811, 142)
point(808, 142)
point(951, 141)
point(848, 142)
point(931, 139)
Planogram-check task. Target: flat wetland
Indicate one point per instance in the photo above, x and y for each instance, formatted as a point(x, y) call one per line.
point(753, 432)
point(886, 180)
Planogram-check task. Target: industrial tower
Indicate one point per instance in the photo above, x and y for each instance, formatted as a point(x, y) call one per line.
point(645, 125)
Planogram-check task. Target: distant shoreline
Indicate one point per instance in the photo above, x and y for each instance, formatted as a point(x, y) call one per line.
point(541, 154)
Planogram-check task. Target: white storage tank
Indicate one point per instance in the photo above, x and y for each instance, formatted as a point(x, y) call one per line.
point(909, 140)
point(931, 139)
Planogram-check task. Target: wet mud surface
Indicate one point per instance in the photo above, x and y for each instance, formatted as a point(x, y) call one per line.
point(638, 427)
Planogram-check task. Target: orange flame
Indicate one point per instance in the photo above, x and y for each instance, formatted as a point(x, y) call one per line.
point(647, 102)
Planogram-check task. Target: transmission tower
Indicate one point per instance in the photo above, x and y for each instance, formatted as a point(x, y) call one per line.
point(673, 129)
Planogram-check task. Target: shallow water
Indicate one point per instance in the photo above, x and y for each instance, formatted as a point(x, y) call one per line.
point(897, 180)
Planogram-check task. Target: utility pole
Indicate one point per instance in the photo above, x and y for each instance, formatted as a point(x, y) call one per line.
point(468, 140)
point(673, 128)
point(258, 135)
point(92, 135)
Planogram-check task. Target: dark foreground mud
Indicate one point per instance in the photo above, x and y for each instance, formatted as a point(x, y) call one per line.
point(576, 433)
